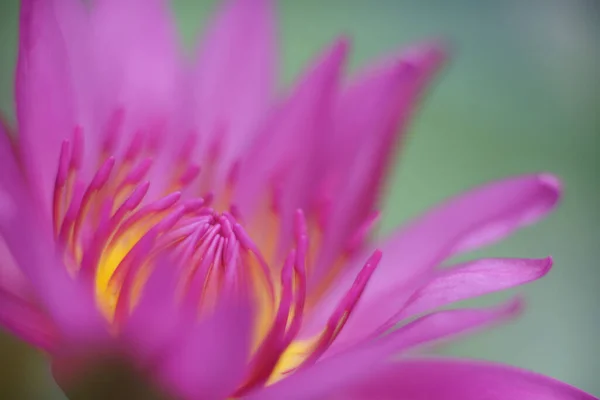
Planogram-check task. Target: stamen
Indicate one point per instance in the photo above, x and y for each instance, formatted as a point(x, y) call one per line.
point(343, 311)
point(112, 133)
point(59, 184)
point(112, 233)
point(273, 345)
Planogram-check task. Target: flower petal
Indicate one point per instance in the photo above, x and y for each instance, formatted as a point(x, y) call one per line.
point(137, 66)
point(410, 255)
point(12, 279)
point(209, 360)
point(473, 279)
point(370, 118)
point(43, 94)
point(155, 320)
point(466, 281)
point(22, 223)
point(325, 378)
point(481, 216)
point(443, 379)
point(26, 322)
point(448, 323)
point(292, 136)
point(235, 78)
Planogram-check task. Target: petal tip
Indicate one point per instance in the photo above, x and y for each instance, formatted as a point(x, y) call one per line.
point(550, 182)
point(546, 265)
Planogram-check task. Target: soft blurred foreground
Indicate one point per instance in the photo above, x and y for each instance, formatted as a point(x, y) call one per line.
point(521, 95)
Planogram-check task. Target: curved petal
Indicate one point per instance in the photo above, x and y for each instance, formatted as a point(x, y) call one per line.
point(472, 279)
point(442, 379)
point(235, 78)
point(370, 118)
point(442, 325)
point(43, 94)
point(479, 216)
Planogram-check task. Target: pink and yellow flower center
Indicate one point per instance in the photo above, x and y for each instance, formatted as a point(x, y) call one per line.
point(112, 227)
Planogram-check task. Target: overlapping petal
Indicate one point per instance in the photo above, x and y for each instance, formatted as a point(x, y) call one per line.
point(234, 80)
point(22, 224)
point(412, 254)
point(112, 72)
point(443, 379)
point(43, 92)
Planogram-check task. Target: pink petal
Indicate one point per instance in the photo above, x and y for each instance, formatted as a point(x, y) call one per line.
point(469, 380)
point(469, 280)
point(137, 65)
point(210, 358)
point(43, 94)
point(292, 137)
point(473, 279)
point(371, 117)
point(22, 223)
point(235, 77)
point(327, 377)
point(26, 322)
point(433, 327)
point(156, 320)
point(410, 255)
point(442, 325)
point(12, 279)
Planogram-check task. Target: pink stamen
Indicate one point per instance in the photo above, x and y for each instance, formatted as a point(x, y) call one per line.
point(146, 212)
point(188, 176)
point(301, 236)
point(273, 345)
point(135, 175)
point(343, 311)
point(71, 214)
point(113, 131)
point(97, 183)
point(77, 150)
point(135, 147)
point(59, 183)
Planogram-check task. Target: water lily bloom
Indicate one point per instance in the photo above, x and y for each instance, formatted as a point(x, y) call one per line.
point(188, 224)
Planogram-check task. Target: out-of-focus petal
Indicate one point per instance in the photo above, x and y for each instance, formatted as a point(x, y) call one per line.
point(410, 255)
point(43, 94)
point(235, 78)
point(155, 320)
point(22, 223)
point(26, 322)
point(210, 359)
point(326, 377)
point(283, 148)
point(136, 65)
point(443, 379)
point(370, 118)
point(12, 279)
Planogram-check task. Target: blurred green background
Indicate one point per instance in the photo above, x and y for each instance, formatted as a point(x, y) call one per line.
point(522, 94)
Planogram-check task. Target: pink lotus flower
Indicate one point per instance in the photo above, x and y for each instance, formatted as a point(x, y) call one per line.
point(149, 213)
